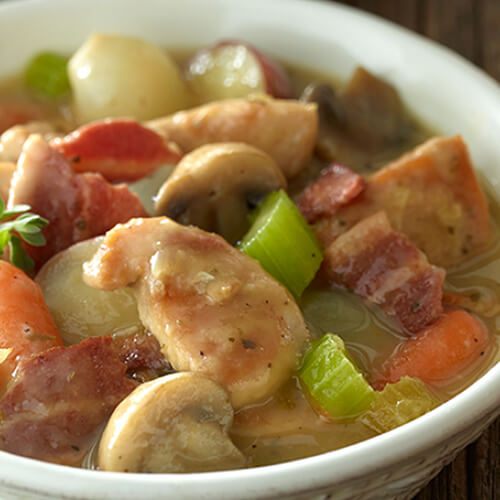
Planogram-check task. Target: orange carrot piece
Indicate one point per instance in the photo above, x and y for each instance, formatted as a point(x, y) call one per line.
point(26, 326)
point(439, 352)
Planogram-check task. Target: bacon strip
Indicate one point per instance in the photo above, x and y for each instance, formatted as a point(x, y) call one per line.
point(336, 186)
point(385, 268)
point(60, 399)
point(78, 206)
point(430, 194)
point(120, 150)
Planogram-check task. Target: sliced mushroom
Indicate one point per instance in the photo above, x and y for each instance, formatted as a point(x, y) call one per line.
point(216, 186)
point(176, 423)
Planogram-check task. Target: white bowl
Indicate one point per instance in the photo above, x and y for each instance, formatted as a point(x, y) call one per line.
point(442, 89)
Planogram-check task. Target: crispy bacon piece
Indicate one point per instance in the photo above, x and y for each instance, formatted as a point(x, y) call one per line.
point(118, 149)
point(141, 353)
point(78, 206)
point(59, 400)
point(430, 194)
point(385, 268)
point(336, 186)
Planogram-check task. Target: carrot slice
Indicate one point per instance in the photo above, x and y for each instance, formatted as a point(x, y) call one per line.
point(26, 327)
point(439, 352)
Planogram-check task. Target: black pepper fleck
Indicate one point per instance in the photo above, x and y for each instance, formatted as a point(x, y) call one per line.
point(248, 344)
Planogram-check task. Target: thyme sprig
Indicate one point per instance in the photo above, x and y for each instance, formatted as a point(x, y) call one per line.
point(17, 224)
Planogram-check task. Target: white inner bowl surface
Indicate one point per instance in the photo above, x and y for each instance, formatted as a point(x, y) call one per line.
point(440, 88)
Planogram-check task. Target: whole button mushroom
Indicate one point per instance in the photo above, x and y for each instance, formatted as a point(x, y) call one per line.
point(215, 186)
point(175, 423)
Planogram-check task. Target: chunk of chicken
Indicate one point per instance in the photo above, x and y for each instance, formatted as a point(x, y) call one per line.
point(285, 130)
point(77, 206)
point(213, 309)
point(13, 139)
point(430, 194)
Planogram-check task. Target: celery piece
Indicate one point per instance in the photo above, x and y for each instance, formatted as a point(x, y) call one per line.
point(47, 75)
point(333, 380)
point(284, 244)
point(399, 403)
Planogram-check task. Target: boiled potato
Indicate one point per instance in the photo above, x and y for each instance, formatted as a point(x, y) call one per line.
point(113, 75)
point(234, 69)
point(79, 310)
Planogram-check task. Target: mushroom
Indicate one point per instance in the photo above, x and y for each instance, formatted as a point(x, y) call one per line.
point(215, 186)
point(175, 423)
point(365, 118)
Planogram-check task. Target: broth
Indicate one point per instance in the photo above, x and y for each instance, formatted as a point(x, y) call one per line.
point(286, 427)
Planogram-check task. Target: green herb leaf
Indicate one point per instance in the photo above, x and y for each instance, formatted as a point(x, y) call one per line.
point(17, 209)
point(4, 239)
point(27, 227)
point(18, 256)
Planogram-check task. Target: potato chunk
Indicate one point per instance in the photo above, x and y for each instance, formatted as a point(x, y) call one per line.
point(113, 75)
point(79, 310)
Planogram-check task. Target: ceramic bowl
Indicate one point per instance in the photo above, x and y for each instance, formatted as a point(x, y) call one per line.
point(442, 90)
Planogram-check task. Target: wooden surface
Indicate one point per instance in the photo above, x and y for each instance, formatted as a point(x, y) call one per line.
point(471, 28)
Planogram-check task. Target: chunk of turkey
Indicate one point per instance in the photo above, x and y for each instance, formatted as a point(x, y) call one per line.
point(213, 309)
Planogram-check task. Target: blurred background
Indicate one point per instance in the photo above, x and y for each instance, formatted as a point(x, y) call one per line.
point(469, 27)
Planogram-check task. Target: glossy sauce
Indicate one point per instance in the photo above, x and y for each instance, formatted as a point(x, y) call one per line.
point(286, 427)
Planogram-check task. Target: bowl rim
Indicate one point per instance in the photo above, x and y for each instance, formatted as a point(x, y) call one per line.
point(308, 474)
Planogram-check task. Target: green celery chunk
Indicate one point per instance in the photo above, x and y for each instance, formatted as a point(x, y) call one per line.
point(398, 404)
point(284, 244)
point(332, 379)
point(47, 75)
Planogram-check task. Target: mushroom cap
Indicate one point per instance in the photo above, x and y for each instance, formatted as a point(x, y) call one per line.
point(175, 423)
point(215, 186)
